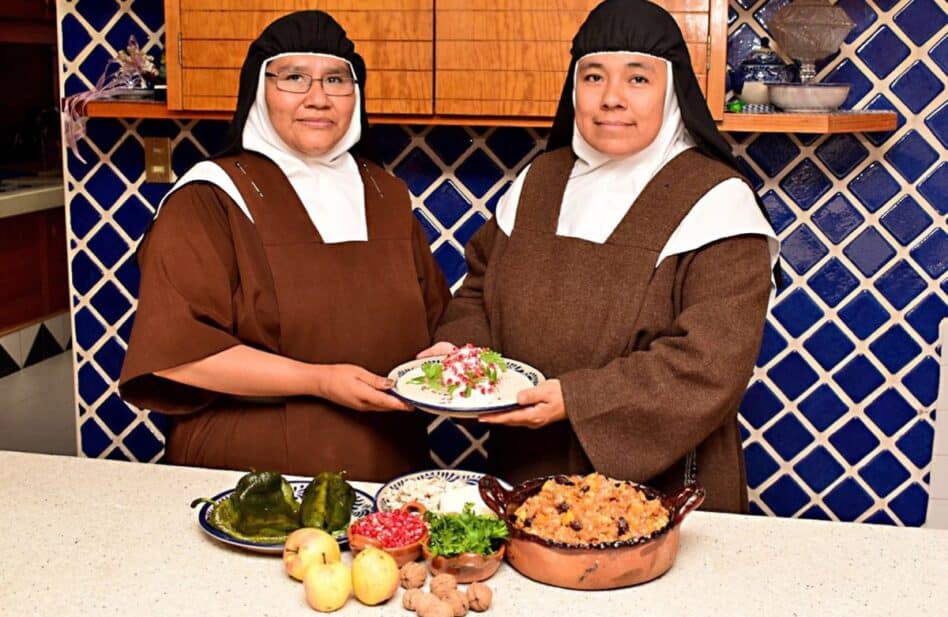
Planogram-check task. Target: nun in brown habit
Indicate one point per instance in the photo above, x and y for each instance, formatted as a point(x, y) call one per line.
point(283, 277)
point(631, 263)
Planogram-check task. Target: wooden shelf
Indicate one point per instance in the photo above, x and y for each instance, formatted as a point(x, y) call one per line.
point(839, 122)
point(148, 109)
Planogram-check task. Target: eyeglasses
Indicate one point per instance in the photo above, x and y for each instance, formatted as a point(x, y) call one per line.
point(300, 83)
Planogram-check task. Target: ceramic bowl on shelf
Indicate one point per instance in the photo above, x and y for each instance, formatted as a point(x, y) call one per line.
point(810, 97)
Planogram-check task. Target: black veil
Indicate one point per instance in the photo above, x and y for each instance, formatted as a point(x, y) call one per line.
point(304, 32)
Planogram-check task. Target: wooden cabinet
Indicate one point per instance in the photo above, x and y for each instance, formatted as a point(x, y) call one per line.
point(28, 21)
point(207, 42)
point(509, 57)
point(32, 267)
point(486, 62)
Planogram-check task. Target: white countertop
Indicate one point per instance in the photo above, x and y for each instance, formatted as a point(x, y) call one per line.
point(31, 194)
point(94, 537)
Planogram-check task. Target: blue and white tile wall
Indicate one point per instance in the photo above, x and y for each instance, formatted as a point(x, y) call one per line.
point(838, 416)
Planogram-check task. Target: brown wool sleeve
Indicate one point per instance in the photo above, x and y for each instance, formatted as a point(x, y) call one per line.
point(638, 415)
point(434, 288)
point(185, 305)
point(465, 320)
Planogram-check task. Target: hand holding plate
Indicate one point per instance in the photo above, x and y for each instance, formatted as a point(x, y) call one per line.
point(541, 405)
point(356, 388)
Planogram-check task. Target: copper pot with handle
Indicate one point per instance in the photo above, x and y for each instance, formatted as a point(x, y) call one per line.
point(598, 566)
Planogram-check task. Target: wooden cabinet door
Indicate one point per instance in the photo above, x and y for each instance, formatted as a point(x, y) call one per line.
point(207, 41)
point(509, 57)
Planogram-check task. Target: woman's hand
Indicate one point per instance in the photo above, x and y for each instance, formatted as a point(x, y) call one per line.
point(440, 348)
point(356, 388)
point(541, 405)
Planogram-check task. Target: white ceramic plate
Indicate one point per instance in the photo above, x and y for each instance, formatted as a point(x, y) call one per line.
point(362, 505)
point(386, 499)
point(517, 377)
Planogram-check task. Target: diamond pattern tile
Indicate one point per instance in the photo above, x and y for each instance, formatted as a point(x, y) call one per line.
point(848, 500)
point(818, 469)
point(932, 253)
point(837, 218)
point(861, 218)
point(911, 156)
point(900, 284)
point(793, 375)
point(759, 464)
point(906, 220)
point(805, 184)
point(883, 51)
point(895, 348)
point(890, 412)
point(829, 345)
point(447, 204)
point(448, 142)
point(788, 437)
point(874, 186)
point(934, 189)
point(802, 249)
point(797, 312)
point(922, 381)
point(858, 378)
point(926, 315)
point(910, 506)
point(842, 153)
point(772, 152)
point(833, 282)
point(781, 216)
point(939, 53)
point(921, 19)
point(863, 314)
point(785, 497)
point(478, 173)
point(823, 407)
point(917, 87)
point(938, 123)
point(869, 251)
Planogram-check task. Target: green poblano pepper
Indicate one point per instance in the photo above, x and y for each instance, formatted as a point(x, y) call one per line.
point(327, 502)
point(261, 509)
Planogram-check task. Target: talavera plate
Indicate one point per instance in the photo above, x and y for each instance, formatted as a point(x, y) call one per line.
point(518, 376)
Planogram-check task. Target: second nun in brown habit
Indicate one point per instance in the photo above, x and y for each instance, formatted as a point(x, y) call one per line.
point(281, 279)
point(631, 264)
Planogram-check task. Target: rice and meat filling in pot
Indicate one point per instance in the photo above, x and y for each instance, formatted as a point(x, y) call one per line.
point(590, 509)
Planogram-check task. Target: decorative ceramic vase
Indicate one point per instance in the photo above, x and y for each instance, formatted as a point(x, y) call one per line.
point(810, 30)
point(762, 66)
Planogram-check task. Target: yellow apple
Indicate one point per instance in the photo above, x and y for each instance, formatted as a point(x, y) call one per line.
point(307, 546)
point(374, 576)
point(327, 586)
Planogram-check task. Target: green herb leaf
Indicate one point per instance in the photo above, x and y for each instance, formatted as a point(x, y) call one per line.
point(453, 534)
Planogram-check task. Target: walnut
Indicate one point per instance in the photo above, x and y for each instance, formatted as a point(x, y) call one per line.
point(436, 608)
point(458, 603)
point(479, 596)
point(421, 600)
point(410, 597)
point(413, 575)
point(442, 585)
